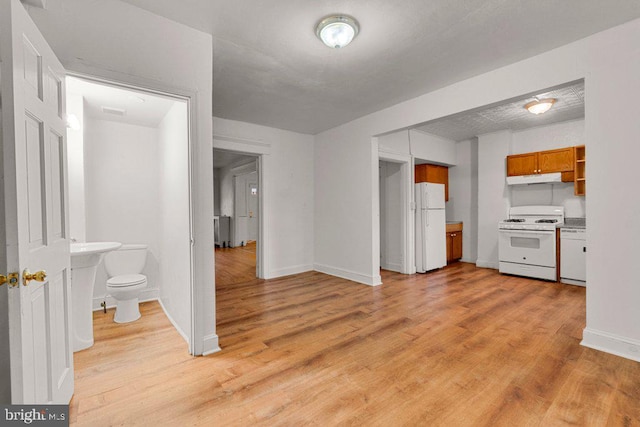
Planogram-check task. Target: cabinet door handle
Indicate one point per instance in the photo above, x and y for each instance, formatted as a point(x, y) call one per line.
point(584, 249)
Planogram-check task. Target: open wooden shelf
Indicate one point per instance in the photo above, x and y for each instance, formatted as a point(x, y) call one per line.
point(580, 182)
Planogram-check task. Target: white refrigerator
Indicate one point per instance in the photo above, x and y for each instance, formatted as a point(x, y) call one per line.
point(431, 243)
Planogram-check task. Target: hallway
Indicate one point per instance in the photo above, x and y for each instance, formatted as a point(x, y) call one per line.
point(235, 265)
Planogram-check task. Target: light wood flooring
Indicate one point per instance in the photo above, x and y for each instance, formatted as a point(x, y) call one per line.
point(461, 346)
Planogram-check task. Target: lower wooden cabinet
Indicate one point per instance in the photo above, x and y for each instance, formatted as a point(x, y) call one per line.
point(454, 242)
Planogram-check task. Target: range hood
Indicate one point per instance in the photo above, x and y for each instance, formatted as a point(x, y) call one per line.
point(540, 178)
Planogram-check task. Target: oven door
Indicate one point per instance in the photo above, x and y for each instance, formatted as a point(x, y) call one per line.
point(531, 247)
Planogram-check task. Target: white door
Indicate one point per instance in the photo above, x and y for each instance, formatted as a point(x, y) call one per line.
point(35, 214)
point(240, 211)
point(252, 203)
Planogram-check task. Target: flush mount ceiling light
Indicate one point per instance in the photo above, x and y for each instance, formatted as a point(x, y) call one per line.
point(540, 106)
point(337, 31)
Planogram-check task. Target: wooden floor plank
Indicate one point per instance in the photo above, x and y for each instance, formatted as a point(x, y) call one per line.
point(458, 346)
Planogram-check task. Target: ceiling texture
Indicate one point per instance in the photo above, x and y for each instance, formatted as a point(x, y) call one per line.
point(510, 115)
point(270, 69)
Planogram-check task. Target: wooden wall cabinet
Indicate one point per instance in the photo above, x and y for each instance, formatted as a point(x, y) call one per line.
point(522, 164)
point(560, 160)
point(454, 242)
point(433, 173)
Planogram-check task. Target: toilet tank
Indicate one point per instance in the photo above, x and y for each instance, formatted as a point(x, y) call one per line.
point(128, 259)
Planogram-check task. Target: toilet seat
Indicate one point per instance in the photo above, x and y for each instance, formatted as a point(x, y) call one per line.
point(126, 280)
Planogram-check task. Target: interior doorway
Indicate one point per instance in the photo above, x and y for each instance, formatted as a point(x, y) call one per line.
point(129, 181)
point(396, 212)
point(391, 251)
point(237, 216)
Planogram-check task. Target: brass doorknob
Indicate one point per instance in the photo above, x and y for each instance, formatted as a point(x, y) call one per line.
point(3, 279)
point(38, 276)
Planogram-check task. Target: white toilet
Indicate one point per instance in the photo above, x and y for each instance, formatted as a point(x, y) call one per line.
point(124, 266)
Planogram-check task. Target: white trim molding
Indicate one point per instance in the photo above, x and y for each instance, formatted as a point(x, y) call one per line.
point(392, 266)
point(288, 271)
point(349, 275)
point(407, 208)
point(224, 142)
point(611, 343)
point(210, 345)
point(486, 264)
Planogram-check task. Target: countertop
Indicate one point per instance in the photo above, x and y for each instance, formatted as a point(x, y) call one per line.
point(574, 223)
point(454, 226)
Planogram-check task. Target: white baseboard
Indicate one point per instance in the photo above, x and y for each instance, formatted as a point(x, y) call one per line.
point(288, 271)
point(611, 343)
point(145, 295)
point(470, 261)
point(210, 345)
point(486, 264)
point(173, 322)
point(573, 282)
point(349, 275)
point(392, 266)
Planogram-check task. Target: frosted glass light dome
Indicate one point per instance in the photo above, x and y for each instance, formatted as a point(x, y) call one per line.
point(337, 31)
point(540, 106)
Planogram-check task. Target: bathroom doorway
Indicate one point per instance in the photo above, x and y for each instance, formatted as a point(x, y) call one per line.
point(237, 216)
point(129, 181)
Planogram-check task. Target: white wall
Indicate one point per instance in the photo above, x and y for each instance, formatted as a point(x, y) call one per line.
point(432, 148)
point(559, 135)
point(396, 142)
point(391, 231)
point(463, 196)
point(75, 158)
point(117, 41)
point(346, 171)
point(493, 194)
point(172, 175)
point(287, 187)
point(122, 192)
point(612, 131)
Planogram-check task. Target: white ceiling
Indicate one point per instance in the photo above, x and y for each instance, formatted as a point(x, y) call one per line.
point(511, 115)
point(140, 108)
point(270, 69)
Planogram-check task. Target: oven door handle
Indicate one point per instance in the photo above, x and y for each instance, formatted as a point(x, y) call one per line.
point(502, 230)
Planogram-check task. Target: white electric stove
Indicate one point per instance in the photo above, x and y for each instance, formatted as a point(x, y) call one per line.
point(527, 241)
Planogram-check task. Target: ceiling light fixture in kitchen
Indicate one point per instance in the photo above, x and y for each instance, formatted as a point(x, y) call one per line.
point(540, 106)
point(337, 31)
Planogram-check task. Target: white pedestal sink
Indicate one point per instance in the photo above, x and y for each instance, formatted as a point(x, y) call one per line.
point(85, 258)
